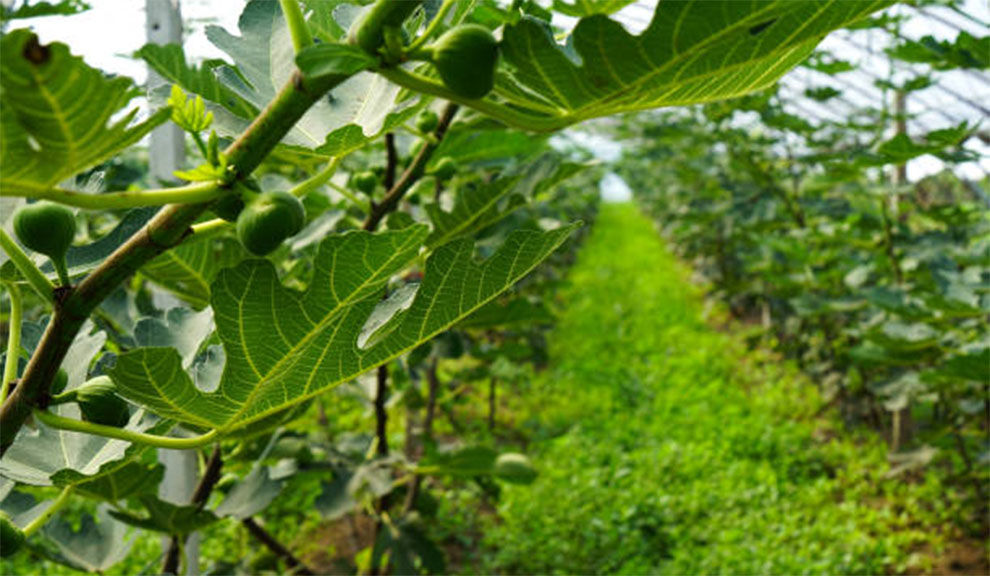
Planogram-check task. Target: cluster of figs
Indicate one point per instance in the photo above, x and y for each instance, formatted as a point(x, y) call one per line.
point(465, 58)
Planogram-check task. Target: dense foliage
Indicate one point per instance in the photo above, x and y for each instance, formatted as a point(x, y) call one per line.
point(876, 285)
point(692, 455)
point(365, 244)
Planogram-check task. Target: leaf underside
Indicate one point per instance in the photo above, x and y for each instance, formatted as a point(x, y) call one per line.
point(56, 114)
point(692, 52)
point(284, 347)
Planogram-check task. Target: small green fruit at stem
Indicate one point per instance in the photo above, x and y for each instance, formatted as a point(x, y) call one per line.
point(367, 32)
point(47, 228)
point(427, 121)
point(515, 469)
point(445, 169)
point(11, 537)
point(99, 403)
point(60, 382)
point(268, 220)
point(366, 182)
point(229, 207)
point(466, 57)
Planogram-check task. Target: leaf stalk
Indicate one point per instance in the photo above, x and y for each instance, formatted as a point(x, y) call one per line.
point(59, 503)
point(34, 276)
point(296, 21)
point(169, 442)
point(189, 194)
point(13, 339)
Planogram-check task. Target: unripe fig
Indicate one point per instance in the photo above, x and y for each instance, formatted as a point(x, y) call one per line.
point(229, 207)
point(99, 403)
point(367, 30)
point(268, 220)
point(445, 169)
point(515, 469)
point(427, 121)
point(365, 181)
point(465, 57)
point(47, 228)
point(60, 382)
point(11, 537)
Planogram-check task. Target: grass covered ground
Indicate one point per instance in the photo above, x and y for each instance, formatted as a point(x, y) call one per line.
point(666, 447)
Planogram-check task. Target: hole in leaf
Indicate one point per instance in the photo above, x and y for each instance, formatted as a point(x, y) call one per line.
point(761, 27)
point(35, 52)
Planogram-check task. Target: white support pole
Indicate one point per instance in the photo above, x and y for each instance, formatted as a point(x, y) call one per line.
point(165, 155)
point(167, 150)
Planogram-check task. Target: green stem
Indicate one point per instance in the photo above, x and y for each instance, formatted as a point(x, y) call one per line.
point(432, 28)
point(208, 227)
point(34, 276)
point(13, 339)
point(59, 503)
point(349, 195)
point(316, 180)
point(62, 271)
point(201, 145)
point(189, 194)
point(298, 29)
point(62, 423)
point(506, 115)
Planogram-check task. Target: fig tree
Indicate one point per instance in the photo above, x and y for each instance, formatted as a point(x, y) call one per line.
point(465, 57)
point(268, 220)
point(47, 228)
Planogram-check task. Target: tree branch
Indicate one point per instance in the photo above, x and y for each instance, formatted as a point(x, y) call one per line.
point(200, 495)
point(411, 174)
point(296, 565)
point(391, 161)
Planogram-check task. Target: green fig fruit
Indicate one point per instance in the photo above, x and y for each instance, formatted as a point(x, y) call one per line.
point(11, 537)
point(268, 220)
point(445, 169)
point(47, 228)
point(99, 403)
point(515, 469)
point(466, 57)
point(427, 121)
point(367, 31)
point(365, 181)
point(60, 382)
point(229, 207)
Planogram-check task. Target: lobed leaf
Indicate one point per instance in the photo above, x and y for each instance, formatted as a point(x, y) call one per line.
point(47, 131)
point(188, 269)
point(692, 52)
point(284, 347)
point(354, 113)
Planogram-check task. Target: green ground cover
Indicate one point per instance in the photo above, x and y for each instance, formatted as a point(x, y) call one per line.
point(665, 446)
